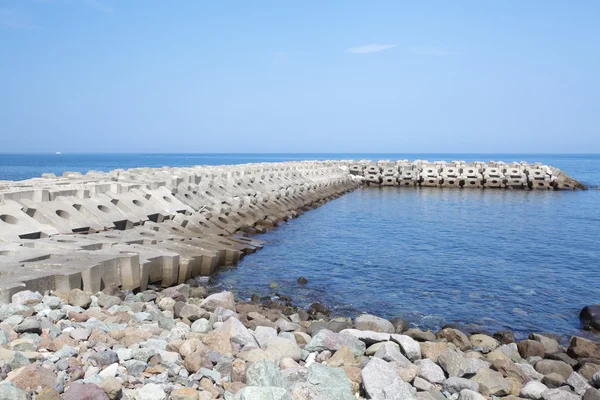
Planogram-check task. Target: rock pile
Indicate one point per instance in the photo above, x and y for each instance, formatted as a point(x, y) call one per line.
point(182, 344)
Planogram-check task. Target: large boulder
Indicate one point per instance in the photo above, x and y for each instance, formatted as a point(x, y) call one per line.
point(238, 332)
point(382, 382)
point(533, 390)
point(328, 340)
point(453, 363)
point(223, 299)
point(332, 383)
point(265, 374)
point(559, 394)
point(590, 316)
point(430, 371)
point(456, 385)
point(492, 383)
point(456, 337)
point(547, 367)
point(583, 348)
point(368, 322)
point(530, 348)
point(410, 347)
point(484, 342)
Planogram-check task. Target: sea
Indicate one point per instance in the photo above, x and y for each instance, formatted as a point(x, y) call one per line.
point(486, 259)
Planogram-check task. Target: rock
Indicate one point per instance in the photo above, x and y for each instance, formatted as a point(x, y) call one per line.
point(112, 387)
point(409, 346)
point(390, 351)
point(265, 374)
point(223, 299)
point(9, 392)
point(79, 298)
point(201, 326)
point(432, 350)
point(578, 383)
point(559, 394)
point(110, 371)
point(530, 371)
point(583, 348)
point(238, 333)
point(505, 337)
point(509, 369)
point(588, 369)
point(85, 391)
point(381, 381)
point(192, 312)
point(530, 348)
point(218, 341)
point(369, 337)
point(430, 371)
point(400, 325)
point(29, 325)
point(467, 394)
point(302, 280)
point(453, 363)
point(286, 326)
point(105, 358)
point(262, 334)
point(591, 394)
point(549, 366)
point(455, 337)
point(328, 340)
point(342, 357)
point(197, 360)
point(26, 297)
point(368, 322)
point(554, 380)
point(492, 383)
point(150, 391)
point(422, 385)
point(186, 393)
point(589, 315)
point(106, 301)
point(484, 342)
point(550, 344)
point(31, 377)
point(533, 390)
point(419, 335)
point(563, 357)
point(280, 347)
point(262, 393)
point(331, 383)
point(318, 308)
point(455, 385)
point(596, 379)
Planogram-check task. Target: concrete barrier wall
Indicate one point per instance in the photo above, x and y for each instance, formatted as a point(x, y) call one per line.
point(460, 174)
point(141, 226)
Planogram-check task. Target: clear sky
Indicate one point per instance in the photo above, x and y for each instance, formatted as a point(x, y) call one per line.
point(300, 76)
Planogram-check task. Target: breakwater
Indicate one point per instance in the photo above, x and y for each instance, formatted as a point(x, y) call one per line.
point(460, 174)
point(166, 225)
point(140, 226)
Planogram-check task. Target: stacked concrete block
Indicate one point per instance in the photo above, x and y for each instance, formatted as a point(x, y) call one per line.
point(493, 176)
point(430, 175)
point(407, 175)
point(450, 174)
point(471, 176)
point(539, 177)
point(373, 174)
point(141, 226)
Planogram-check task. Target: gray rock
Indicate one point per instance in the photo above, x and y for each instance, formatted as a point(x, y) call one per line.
point(26, 297)
point(430, 371)
point(455, 385)
point(280, 347)
point(192, 312)
point(369, 337)
point(79, 298)
point(150, 391)
point(286, 326)
point(596, 379)
point(578, 383)
point(422, 385)
point(550, 345)
point(530, 371)
point(239, 333)
point(29, 325)
point(262, 334)
point(265, 374)
point(328, 340)
point(409, 346)
point(467, 394)
point(201, 326)
point(262, 393)
point(382, 382)
point(591, 394)
point(368, 322)
point(453, 363)
point(559, 394)
point(135, 367)
point(223, 299)
point(533, 390)
point(390, 351)
point(18, 360)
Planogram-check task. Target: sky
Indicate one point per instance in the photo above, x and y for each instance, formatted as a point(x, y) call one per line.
point(510, 76)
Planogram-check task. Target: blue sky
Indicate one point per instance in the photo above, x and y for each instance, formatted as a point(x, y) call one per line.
point(299, 76)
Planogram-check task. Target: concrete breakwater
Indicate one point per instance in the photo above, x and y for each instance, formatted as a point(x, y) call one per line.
point(134, 227)
point(460, 174)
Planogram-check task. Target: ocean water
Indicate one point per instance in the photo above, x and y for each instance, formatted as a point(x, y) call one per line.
point(495, 259)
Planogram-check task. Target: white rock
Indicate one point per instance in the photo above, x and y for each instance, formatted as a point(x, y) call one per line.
point(533, 390)
point(410, 347)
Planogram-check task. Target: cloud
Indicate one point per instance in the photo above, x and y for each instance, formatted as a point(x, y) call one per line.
point(432, 51)
point(371, 48)
point(98, 5)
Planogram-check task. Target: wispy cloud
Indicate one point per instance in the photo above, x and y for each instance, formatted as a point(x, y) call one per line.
point(432, 51)
point(98, 5)
point(371, 48)
point(14, 19)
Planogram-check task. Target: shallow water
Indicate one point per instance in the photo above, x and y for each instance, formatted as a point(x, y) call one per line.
point(500, 259)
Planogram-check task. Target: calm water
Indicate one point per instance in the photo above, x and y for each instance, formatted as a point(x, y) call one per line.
point(528, 261)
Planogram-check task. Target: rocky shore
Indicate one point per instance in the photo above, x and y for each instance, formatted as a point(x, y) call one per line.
point(181, 343)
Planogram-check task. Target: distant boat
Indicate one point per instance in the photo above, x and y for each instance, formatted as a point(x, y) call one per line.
point(58, 153)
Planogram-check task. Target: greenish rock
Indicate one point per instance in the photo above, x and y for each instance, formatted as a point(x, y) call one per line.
point(264, 374)
point(9, 392)
point(333, 383)
point(18, 360)
point(328, 340)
